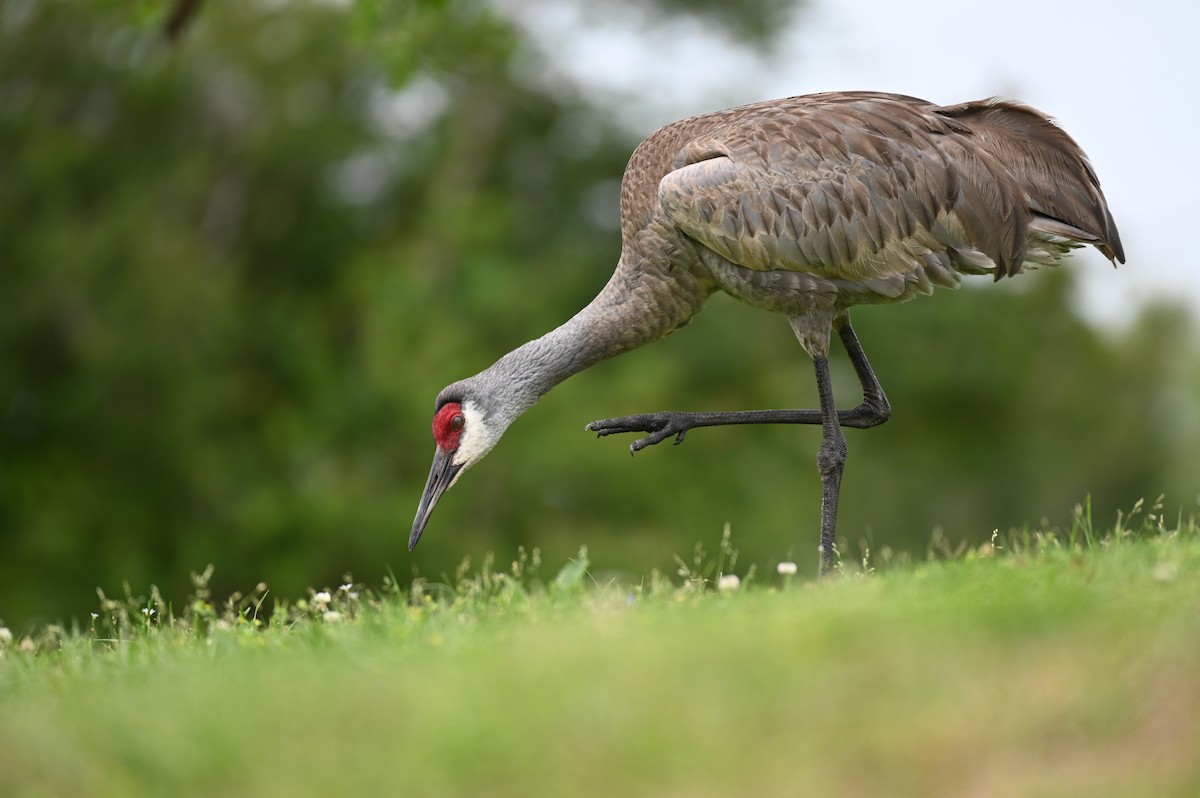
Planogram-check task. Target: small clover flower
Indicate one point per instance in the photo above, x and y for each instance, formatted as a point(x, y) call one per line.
point(728, 583)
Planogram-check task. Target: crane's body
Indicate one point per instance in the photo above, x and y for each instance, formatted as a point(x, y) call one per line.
point(805, 207)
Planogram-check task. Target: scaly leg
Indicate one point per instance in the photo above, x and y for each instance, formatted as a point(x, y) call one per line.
point(831, 461)
point(872, 411)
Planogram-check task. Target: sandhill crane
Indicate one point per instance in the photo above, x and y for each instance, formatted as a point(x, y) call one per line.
point(804, 206)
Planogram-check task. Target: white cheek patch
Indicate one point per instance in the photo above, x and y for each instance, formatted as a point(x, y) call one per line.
point(476, 441)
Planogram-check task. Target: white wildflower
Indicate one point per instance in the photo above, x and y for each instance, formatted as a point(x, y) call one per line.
point(332, 616)
point(321, 600)
point(6, 636)
point(728, 583)
point(786, 569)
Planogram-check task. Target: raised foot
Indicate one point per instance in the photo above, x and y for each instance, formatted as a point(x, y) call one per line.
point(660, 425)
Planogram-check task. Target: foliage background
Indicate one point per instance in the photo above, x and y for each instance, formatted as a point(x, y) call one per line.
point(235, 271)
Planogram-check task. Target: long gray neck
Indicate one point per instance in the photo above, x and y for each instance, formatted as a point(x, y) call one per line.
point(636, 307)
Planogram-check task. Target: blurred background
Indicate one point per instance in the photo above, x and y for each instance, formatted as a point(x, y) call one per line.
point(237, 265)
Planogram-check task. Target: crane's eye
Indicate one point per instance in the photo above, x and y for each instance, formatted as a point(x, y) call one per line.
point(458, 422)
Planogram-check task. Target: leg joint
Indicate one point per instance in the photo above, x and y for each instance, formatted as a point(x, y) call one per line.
point(878, 408)
point(831, 456)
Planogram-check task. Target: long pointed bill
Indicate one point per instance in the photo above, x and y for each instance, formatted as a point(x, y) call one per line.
point(441, 476)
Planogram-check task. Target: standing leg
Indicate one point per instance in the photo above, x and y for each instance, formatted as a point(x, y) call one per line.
point(831, 461)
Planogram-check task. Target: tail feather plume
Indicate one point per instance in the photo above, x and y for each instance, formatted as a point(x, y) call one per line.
point(1060, 188)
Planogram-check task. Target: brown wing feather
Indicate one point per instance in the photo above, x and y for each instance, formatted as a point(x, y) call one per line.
point(868, 187)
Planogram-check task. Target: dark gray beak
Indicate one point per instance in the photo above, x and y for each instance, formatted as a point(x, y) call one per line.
point(441, 475)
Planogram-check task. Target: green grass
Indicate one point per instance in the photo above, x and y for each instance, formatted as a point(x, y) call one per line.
point(1051, 665)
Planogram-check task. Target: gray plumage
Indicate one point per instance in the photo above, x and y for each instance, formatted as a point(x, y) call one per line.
point(805, 206)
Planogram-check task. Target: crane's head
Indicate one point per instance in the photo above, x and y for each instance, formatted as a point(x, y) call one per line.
point(463, 434)
point(469, 418)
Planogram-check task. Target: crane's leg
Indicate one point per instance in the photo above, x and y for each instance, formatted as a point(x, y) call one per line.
point(831, 461)
point(874, 408)
point(872, 411)
point(831, 456)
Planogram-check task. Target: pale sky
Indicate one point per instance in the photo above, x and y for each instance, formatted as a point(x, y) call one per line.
point(1120, 76)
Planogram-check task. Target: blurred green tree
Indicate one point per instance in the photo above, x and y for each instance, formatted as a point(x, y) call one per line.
point(170, 255)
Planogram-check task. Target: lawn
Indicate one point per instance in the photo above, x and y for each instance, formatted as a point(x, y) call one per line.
point(1047, 665)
